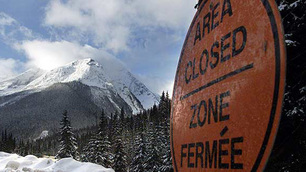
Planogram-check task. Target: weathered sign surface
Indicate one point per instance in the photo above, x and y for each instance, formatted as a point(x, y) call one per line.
point(229, 87)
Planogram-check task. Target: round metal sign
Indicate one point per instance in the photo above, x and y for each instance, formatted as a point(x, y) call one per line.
point(229, 87)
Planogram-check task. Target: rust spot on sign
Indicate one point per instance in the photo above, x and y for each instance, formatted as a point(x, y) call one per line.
point(266, 46)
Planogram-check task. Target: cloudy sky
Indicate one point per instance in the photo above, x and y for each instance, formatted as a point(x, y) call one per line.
point(146, 35)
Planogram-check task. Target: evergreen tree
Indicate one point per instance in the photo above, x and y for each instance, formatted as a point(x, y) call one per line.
point(120, 159)
point(111, 132)
point(104, 154)
point(129, 140)
point(102, 123)
point(138, 162)
point(168, 104)
point(163, 107)
point(8, 142)
point(289, 151)
point(120, 164)
point(154, 115)
point(153, 159)
point(166, 157)
point(90, 151)
point(68, 144)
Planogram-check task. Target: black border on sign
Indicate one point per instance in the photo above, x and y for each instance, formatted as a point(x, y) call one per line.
point(275, 32)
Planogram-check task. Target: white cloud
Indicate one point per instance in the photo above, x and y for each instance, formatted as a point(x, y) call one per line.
point(112, 24)
point(6, 19)
point(8, 68)
point(49, 55)
point(11, 31)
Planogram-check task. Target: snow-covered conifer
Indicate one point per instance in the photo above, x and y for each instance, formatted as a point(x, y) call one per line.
point(68, 144)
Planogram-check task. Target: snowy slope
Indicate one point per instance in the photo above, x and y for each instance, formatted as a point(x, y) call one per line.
point(125, 83)
point(87, 71)
point(111, 76)
point(18, 83)
point(30, 163)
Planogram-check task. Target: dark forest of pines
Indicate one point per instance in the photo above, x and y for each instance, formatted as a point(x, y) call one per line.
point(125, 143)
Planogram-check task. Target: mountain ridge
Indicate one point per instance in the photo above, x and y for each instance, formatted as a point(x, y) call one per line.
point(33, 101)
point(90, 73)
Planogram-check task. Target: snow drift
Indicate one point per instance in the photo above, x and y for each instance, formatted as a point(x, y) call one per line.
point(30, 163)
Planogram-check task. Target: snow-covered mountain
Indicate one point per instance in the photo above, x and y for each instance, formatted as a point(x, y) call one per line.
point(115, 78)
point(34, 100)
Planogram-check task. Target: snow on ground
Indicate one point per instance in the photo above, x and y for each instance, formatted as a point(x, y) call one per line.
point(30, 163)
point(43, 134)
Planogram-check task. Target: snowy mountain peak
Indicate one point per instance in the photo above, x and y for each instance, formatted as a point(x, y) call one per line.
point(86, 71)
point(88, 61)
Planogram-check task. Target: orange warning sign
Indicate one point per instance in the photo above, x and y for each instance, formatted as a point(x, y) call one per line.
point(229, 87)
